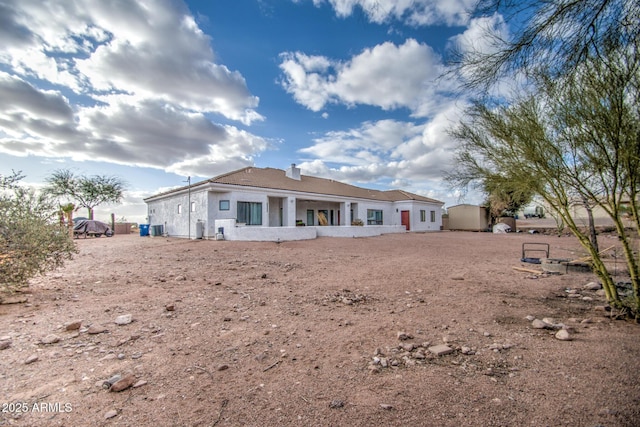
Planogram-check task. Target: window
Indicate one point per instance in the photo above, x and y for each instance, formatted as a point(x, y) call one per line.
point(179, 208)
point(374, 217)
point(423, 216)
point(193, 206)
point(310, 217)
point(433, 216)
point(250, 213)
point(224, 205)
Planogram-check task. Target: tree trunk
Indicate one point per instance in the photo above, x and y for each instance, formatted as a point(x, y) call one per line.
point(592, 226)
point(90, 210)
point(600, 269)
point(70, 223)
point(632, 265)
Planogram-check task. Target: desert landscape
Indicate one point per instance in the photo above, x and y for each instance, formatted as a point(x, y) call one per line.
point(434, 329)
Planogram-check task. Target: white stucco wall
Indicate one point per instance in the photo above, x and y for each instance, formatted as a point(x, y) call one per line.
point(415, 222)
point(164, 211)
point(358, 231)
point(235, 232)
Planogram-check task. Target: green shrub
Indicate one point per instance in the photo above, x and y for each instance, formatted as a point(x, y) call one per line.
point(31, 239)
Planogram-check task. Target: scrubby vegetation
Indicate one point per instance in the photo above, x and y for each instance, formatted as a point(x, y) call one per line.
point(31, 239)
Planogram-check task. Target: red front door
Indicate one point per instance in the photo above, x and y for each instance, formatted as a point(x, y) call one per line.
point(404, 219)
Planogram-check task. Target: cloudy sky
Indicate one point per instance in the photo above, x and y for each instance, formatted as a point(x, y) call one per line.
point(154, 91)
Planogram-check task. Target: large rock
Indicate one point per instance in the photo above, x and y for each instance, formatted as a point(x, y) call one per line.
point(125, 319)
point(539, 324)
point(73, 326)
point(96, 329)
point(50, 339)
point(592, 286)
point(123, 383)
point(563, 335)
point(402, 336)
point(407, 346)
point(440, 349)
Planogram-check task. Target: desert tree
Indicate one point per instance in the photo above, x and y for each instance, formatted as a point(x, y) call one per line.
point(87, 191)
point(597, 113)
point(31, 239)
point(575, 141)
point(66, 214)
point(504, 197)
point(553, 37)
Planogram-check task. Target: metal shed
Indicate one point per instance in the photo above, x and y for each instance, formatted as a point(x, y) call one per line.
point(469, 218)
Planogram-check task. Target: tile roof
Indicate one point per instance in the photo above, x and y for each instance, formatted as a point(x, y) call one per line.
point(270, 178)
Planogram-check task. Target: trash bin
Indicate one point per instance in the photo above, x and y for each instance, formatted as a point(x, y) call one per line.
point(144, 229)
point(156, 230)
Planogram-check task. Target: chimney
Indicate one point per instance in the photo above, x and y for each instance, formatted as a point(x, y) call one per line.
point(293, 172)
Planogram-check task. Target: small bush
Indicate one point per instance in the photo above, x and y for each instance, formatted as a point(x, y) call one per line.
point(31, 238)
point(357, 222)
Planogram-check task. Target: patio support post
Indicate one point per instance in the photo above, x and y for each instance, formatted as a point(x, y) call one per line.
point(289, 212)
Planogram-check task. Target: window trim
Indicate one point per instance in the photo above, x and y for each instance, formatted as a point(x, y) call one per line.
point(223, 203)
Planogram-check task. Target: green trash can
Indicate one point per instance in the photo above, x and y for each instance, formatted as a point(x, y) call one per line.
point(156, 230)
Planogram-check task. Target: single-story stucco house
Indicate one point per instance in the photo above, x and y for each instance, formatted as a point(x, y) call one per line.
point(267, 204)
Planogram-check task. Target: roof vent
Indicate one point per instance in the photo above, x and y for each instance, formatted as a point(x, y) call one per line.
point(293, 172)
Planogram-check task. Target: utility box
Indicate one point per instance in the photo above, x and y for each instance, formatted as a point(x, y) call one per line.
point(199, 229)
point(156, 230)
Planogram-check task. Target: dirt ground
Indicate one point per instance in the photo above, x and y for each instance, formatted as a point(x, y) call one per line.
point(328, 332)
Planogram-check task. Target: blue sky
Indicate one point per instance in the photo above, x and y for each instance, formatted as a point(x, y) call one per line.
point(155, 91)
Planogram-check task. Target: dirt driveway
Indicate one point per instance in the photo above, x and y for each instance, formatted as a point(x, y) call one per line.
point(397, 330)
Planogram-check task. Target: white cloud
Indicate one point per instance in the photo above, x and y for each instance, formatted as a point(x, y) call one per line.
point(153, 51)
point(224, 155)
point(484, 36)
point(386, 76)
point(410, 12)
point(136, 88)
point(132, 208)
point(368, 144)
point(388, 152)
point(21, 99)
point(307, 85)
point(481, 35)
point(391, 154)
point(147, 133)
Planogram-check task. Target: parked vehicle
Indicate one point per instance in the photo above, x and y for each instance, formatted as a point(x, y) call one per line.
point(534, 212)
point(91, 228)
